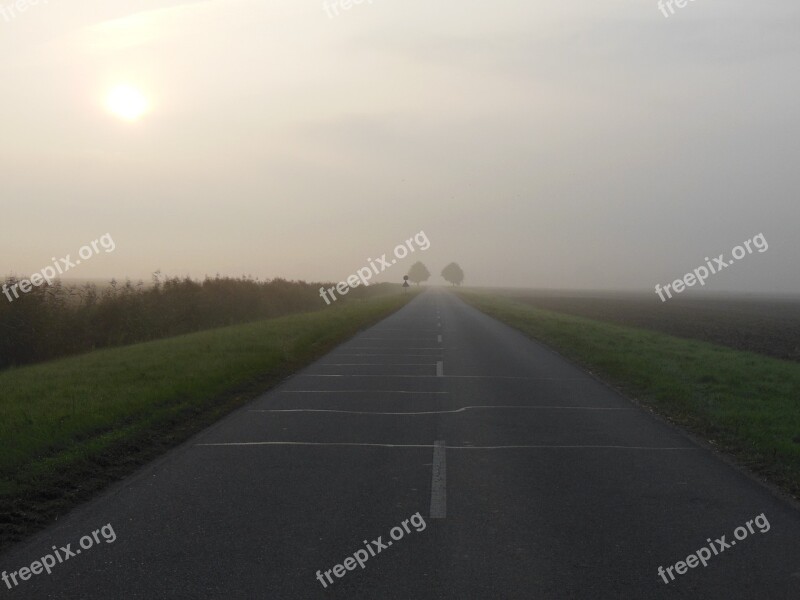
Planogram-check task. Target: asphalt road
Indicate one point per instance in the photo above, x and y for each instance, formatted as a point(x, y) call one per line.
point(531, 479)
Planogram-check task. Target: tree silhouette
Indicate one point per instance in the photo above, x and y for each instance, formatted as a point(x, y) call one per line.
point(418, 273)
point(453, 274)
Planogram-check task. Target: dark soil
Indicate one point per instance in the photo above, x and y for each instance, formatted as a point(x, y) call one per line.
point(765, 326)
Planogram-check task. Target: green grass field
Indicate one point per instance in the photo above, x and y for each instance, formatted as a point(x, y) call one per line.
point(746, 404)
point(69, 427)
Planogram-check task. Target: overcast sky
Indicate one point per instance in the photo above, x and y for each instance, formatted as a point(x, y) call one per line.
point(542, 143)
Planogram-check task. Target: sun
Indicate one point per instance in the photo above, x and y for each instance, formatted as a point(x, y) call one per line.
point(127, 102)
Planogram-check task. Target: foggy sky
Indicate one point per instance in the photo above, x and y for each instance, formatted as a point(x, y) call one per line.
point(582, 144)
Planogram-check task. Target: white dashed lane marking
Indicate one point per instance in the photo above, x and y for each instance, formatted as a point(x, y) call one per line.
point(439, 482)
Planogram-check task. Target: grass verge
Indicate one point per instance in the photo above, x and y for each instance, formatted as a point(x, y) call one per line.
point(70, 427)
point(744, 403)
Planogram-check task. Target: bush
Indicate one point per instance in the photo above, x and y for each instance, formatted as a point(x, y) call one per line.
point(57, 320)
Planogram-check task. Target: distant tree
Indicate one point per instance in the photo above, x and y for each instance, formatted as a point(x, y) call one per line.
point(418, 273)
point(453, 274)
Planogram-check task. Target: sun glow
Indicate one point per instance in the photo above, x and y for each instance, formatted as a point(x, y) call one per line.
point(127, 102)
